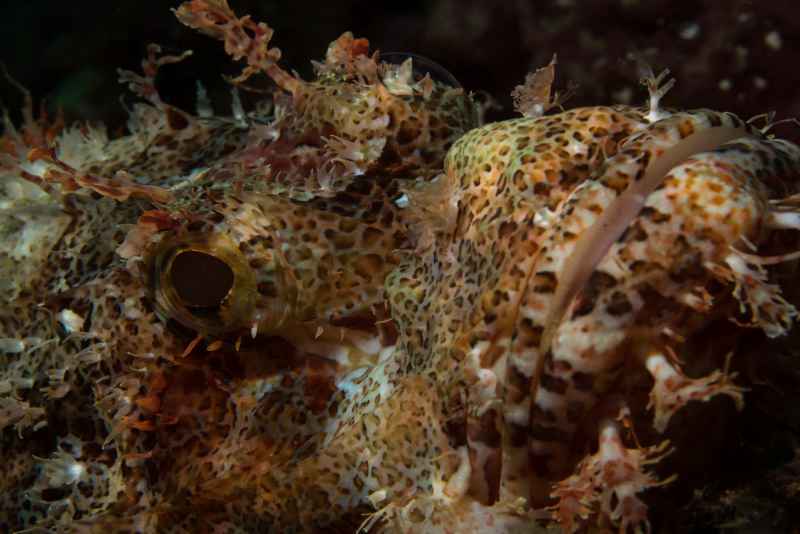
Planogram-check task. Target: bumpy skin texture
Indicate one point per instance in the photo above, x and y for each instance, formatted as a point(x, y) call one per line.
point(354, 301)
point(524, 192)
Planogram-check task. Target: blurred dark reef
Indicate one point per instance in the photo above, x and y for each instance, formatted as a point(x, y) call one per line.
point(737, 55)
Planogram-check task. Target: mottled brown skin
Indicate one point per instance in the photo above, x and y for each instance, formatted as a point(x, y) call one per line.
point(505, 175)
point(312, 234)
point(524, 405)
point(382, 332)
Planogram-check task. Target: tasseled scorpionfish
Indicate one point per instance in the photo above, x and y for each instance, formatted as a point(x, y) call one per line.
point(354, 307)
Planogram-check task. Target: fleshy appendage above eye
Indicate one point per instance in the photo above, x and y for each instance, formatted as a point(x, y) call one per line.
point(204, 283)
point(420, 67)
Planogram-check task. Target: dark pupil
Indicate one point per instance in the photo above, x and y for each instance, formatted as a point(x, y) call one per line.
point(201, 280)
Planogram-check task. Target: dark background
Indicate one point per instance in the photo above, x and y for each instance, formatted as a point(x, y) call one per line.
point(736, 55)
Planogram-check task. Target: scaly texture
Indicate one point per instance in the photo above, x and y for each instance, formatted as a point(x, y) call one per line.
point(354, 307)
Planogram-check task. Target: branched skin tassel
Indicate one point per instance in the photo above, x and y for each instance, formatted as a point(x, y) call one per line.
point(353, 307)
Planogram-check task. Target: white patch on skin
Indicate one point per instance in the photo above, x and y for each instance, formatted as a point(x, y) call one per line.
point(11, 346)
point(348, 384)
point(377, 497)
point(576, 148)
point(525, 366)
point(75, 471)
point(487, 391)
point(71, 321)
point(331, 351)
point(548, 400)
point(132, 312)
point(458, 484)
point(544, 217)
point(784, 220)
point(773, 40)
point(474, 354)
point(518, 414)
point(37, 168)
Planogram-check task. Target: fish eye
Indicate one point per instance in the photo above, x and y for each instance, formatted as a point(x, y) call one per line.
point(422, 66)
point(204, 283)
point(200, 279)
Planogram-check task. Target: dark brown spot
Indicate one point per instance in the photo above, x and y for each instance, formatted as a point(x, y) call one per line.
point(548, 434)
point(371, 236)
point(582, 381)
point(619, 304)
point(544, 282)
point(575, 411)
point(267, 289)
point(644, 161)
point(176, 119)
point(540, 463)
point(655, 215)
point(584, 304)
point(553, 383)
point(485, 430)
point(528, 334)
point(507, 228)
point(518, 386)
point(540, 414)
point(518, 435)
point(686, 128)
point(541, 188)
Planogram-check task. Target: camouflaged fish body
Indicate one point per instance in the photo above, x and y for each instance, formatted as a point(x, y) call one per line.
point(353, 307)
